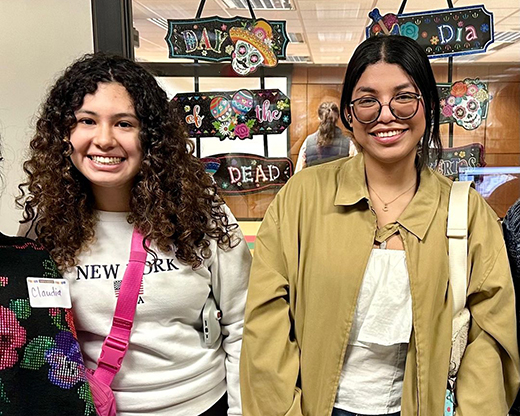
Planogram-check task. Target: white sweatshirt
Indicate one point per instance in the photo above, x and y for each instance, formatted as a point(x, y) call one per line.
point(168, 369)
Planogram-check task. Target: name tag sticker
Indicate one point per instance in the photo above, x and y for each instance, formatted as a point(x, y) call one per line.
point(48, 293)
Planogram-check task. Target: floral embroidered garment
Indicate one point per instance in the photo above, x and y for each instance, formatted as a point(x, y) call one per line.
point(41, 367)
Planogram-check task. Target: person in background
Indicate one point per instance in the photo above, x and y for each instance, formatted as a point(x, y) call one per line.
point(349, 309)
point(511, 228)
point(41, 367)
point(326, 144)
point(109, 155)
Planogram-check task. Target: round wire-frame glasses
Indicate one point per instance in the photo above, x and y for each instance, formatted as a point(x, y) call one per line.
point(403, 106)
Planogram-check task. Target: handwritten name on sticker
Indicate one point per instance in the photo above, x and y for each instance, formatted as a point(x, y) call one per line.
point(48, 293)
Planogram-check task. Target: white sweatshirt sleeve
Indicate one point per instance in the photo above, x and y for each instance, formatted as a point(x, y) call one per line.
point(230, 277)
point(302, 158)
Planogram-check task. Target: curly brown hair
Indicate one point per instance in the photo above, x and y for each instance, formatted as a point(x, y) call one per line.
point(173, 201)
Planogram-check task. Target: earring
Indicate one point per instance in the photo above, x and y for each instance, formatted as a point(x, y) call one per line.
point(349, 119)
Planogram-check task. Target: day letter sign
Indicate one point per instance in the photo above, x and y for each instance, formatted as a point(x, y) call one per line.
point(448, 32)
point(245, 42)
point(234, 114)
point(242, 173)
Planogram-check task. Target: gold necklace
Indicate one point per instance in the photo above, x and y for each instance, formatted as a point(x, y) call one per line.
point(385, 204)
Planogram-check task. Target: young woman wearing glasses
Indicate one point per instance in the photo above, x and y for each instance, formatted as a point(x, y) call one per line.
point(349, 308)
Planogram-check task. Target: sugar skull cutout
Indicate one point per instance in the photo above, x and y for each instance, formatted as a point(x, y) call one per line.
point(468, 113)
point(253, 47)
point(246, 58)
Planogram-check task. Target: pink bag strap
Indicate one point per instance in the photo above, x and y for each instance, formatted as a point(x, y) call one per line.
point(116, 343)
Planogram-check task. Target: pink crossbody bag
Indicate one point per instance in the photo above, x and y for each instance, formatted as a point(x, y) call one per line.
point(116, 343)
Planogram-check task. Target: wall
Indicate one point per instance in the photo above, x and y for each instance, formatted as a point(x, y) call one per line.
point(38, 40)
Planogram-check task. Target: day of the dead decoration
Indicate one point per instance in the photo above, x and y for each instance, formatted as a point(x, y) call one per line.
point(453, 158)
point(234, 114)
point(247, 43)
point(447, 32)
point(242, 173)
point(464, 102)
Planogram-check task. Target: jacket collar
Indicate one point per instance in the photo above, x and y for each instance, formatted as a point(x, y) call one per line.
point(418, 215)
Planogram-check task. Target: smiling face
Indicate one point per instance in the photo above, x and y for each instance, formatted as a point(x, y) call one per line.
point(106, 144)
point(387, 140)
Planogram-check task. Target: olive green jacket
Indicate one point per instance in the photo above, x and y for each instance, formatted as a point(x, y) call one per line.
point(310, 257)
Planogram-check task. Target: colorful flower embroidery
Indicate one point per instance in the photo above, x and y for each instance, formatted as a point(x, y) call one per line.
point(34, 354)
point(12, 336)
point(51, 271)
point(65, 360)
point(69, 318)
point(85, 394)
point(21, 308)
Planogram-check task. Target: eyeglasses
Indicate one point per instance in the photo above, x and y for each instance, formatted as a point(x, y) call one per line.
point(403, 106)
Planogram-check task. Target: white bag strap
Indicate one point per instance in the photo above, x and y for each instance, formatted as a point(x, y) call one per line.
point(458, 242)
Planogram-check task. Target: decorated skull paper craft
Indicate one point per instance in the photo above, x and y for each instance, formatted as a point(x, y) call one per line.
point(253, 47)
point(468, 113)
point(464, 102)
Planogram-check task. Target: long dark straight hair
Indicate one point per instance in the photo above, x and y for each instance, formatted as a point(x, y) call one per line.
point(406, 53)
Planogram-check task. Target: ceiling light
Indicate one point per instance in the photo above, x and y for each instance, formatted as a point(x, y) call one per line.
point(159, 21)
point(337, 12)
point(294, 58)
point(295, 37)
point(331, 50)
point(259, 4)
point(509, 37)
point(335, 37)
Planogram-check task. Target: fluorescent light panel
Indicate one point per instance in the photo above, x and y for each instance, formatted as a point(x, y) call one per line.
point(346, 11)
point(335, 37)
point(259, 4)
point(159, 21)
point(295, 37)
point(295, 58)
point(509, 37)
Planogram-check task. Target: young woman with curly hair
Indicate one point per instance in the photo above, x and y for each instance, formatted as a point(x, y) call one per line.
point(109, 155)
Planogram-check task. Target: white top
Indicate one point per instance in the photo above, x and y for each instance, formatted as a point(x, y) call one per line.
point(168, 369)
point(373, 370)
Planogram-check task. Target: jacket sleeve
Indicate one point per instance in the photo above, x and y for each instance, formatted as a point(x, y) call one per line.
point(488, 378)
point(229, 275)
point(269, 364)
